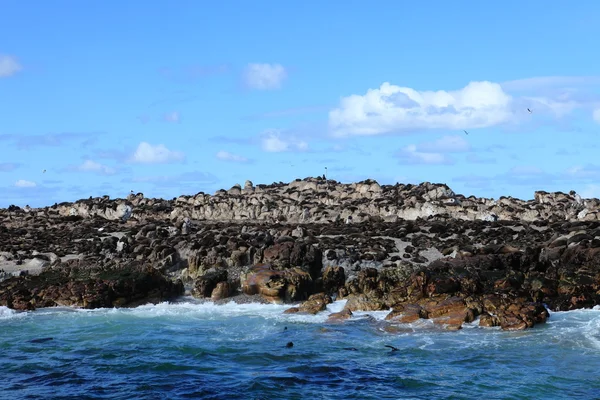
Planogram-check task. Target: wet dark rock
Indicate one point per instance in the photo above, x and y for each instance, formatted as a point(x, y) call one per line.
point(420, 251)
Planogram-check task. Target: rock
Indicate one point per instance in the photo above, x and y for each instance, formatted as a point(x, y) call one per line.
point(221, 291)
point(121, 287)
point(333, 279)
point(340, 316)
point(407, 313)
point(277, 286)
point(205, 285)
point(421, 250)
point(315, 303)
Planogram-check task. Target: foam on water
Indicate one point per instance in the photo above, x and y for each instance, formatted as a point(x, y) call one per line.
point(205, 350)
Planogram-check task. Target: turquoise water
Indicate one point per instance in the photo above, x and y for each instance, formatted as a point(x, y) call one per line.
point(192, 350)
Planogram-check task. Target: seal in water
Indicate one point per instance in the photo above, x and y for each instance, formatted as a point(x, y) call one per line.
point(41, 340)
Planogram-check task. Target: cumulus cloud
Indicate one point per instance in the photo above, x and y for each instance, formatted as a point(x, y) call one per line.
point(273, 142)
point(155, 154)
point(265, 76)
point(22, 183)
point(396, 109)
point(172, 116)
point(93, 166)
point(227, 156)
point(411, 155)
point(8, 66)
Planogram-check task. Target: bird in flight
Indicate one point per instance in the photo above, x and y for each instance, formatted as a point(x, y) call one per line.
point(465, 132)
point(529, 111)
point(44, 171)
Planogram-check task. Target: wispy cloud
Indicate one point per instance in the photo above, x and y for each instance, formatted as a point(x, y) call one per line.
point(8, 166)
point(483, 104)
point(411, 155)
point(193, 177)
point(264, 76)
point(193, 72)
point(24, 142)
point(234, 140)
point(9, 66)
point(227, 156)
point(532, 176)
point(596, 115)
point(546, 82)
point(172, 116)
point(147, 153)
point(446, 144)
point(22, 183)
point(92, 166)
point(591, 191)
point(274, 142)
point(287, 112)
point(477, 159)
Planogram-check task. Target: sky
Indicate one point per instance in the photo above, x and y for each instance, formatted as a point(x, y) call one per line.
point(170, 98)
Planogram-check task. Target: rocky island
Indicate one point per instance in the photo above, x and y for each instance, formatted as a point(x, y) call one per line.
point(421, 251)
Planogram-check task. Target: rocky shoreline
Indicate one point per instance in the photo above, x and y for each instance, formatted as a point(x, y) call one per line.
point(421, 251)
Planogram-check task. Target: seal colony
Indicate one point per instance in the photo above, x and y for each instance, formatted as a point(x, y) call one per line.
point(420, 251)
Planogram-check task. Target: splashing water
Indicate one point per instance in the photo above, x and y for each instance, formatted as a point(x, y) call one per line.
point(202, 350)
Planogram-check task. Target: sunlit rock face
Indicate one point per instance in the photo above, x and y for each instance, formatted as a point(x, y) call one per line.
point(316, 200)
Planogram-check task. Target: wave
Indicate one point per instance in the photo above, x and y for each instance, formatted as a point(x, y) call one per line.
point(578, 327)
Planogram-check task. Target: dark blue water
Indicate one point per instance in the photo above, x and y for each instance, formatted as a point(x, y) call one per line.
point(190, 350)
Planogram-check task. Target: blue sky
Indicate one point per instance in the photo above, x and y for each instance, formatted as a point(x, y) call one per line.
point(182, 97)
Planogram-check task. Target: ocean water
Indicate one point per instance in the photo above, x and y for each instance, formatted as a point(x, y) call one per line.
point(198, 350)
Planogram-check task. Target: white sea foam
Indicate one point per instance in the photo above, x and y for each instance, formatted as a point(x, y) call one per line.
point(7, 313)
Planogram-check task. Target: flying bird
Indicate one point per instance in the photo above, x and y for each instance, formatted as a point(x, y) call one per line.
point(465, 132)
point(529, 111)
point(391, 347)
point(44, 171)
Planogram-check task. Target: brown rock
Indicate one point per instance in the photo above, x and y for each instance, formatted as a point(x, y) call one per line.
point(315, 303)
point(340, 316)
point(221, 291)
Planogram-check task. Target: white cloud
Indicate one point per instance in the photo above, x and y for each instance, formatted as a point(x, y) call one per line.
point(8, 66)
point(596, 115)
point(274, 143)
point(446, 144)
point(22, 183)
point(265, 76)
point(227, 156)
point(92, 166)
point(158, 154)
point(395, 109)
point(411, 155)
point(173, 116)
